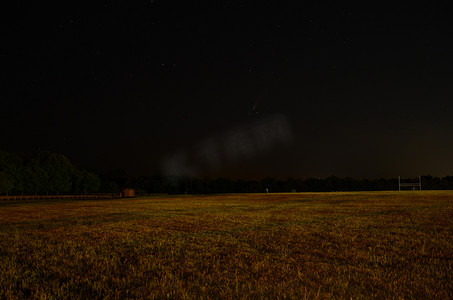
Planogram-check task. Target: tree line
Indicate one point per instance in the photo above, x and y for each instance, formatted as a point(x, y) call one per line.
point(181, 185)
point(52, 173)
point(47, 173)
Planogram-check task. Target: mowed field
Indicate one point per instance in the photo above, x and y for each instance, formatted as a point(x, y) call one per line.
point(299, 245)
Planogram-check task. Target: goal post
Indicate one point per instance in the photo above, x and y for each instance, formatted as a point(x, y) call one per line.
point(412, 184)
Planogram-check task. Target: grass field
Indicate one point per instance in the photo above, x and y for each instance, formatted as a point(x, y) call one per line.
point(309, 245)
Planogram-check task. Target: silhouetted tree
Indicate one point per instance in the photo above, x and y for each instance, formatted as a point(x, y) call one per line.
point(59, 171)
point(85, 182)
point(222, 185)
point(270, 184)
point(118, 176)
point(6, 184)
point(109, 187)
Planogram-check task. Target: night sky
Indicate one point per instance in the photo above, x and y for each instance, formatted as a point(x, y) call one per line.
point(242, 89)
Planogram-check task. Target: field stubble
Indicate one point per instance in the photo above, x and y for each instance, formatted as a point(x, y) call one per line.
point(310, 245)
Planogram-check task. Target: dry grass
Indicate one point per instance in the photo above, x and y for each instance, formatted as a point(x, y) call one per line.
point(317, 245)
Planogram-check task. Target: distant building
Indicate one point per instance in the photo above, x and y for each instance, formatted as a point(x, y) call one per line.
point(128, 193)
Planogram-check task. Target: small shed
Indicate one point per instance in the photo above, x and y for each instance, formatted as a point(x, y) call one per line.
point(128, 193)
